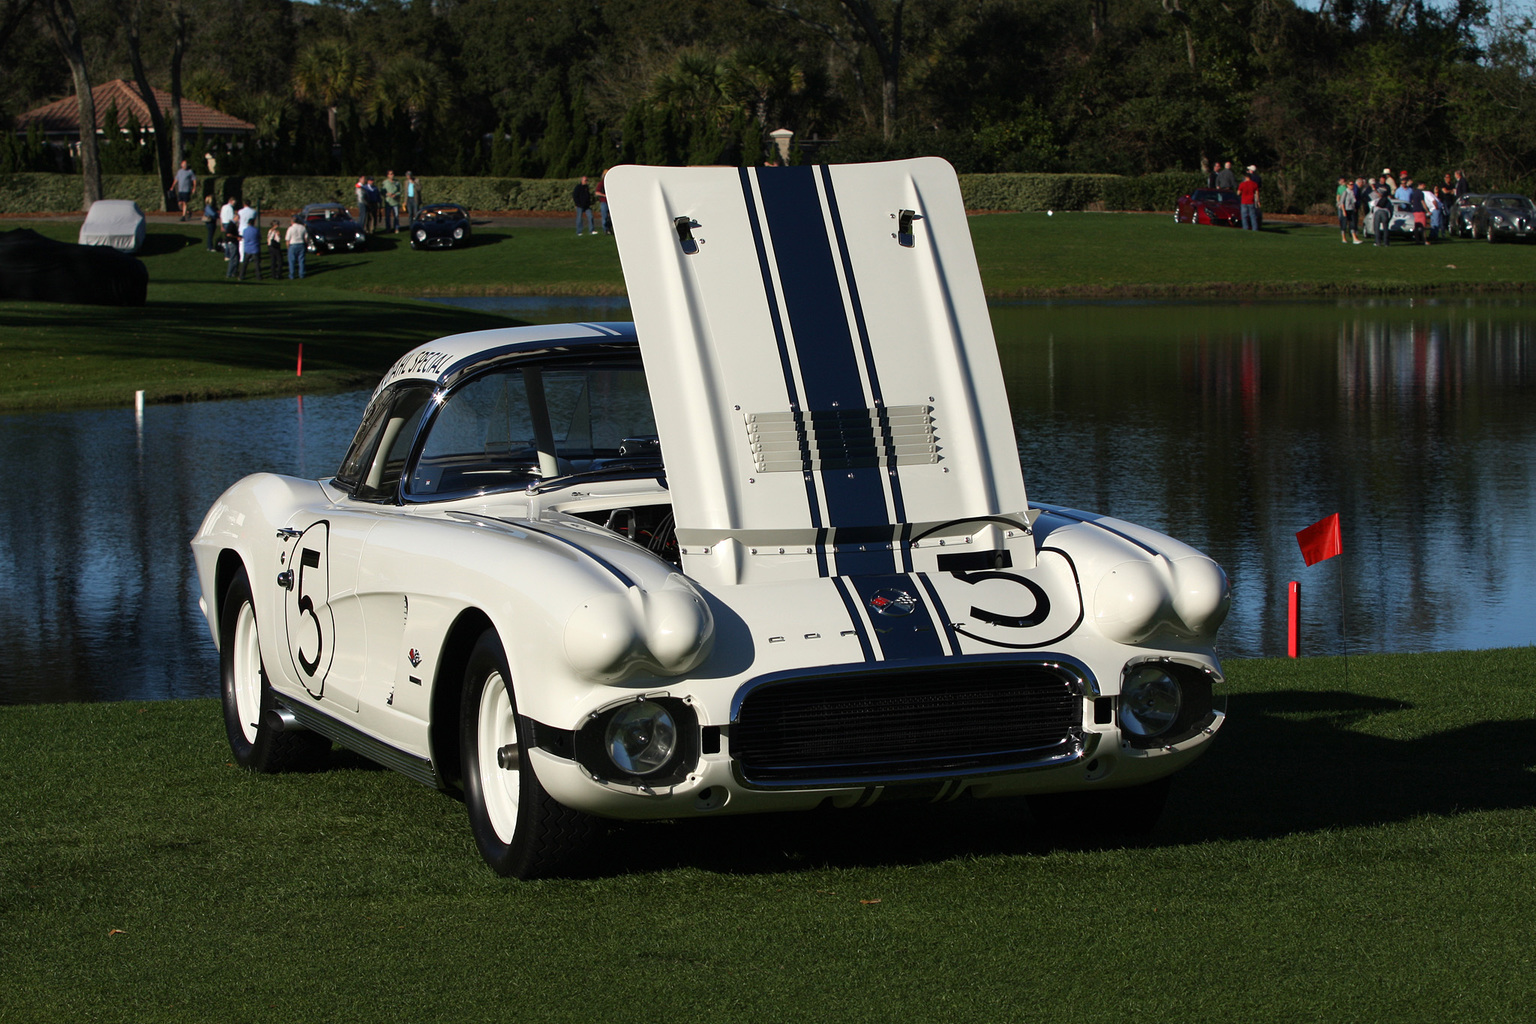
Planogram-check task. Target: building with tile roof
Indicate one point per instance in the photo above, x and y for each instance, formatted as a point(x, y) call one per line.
point(60, 120)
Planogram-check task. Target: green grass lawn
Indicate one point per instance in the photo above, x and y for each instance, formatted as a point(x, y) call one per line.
point(201, 336)
point(1358, 846)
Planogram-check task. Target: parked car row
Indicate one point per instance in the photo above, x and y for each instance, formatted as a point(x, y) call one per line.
point(332, 229)
point(1497, 217)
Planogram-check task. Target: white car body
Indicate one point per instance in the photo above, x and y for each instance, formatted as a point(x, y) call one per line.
point(860, 602)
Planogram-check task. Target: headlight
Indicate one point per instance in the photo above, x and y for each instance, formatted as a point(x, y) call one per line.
point(641, 738)
point(458, 233)
point(421, 234)
point(1150, 701)
point(1164, 701)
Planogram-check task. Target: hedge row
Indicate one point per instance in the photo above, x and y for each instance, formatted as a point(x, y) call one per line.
point(60, 193)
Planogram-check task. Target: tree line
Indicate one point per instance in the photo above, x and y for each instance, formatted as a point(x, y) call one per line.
point(532, 88)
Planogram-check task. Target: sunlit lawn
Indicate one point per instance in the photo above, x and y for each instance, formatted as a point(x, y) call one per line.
point(1357, 846)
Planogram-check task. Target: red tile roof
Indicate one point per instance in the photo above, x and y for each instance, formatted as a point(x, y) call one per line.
point(64, 115)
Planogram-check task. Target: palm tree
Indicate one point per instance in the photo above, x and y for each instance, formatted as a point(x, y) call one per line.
point(416, 86)
point(331, 73)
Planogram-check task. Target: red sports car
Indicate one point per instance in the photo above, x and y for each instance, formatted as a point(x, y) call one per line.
point(1208, 206)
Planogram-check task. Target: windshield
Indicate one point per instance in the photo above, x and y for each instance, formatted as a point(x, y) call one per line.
point(512, 426)
point(1510, 203)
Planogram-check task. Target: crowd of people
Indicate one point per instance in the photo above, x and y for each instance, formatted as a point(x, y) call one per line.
point(1369, 204)
point(236, 222)
point(379, 205)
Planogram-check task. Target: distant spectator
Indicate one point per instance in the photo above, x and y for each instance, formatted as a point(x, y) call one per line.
point(247, 214)
point(228, 214)
point(581, 195)
point(362, 205)
point(372, 200)
point(1344, 200)
point(298, 239)
point(1388, 180)
point(1258, 199)
point(186, 184)
point(210, 219)
point(391, 202)
point(1434, 212)
point(1248, 198)
point(250, 250)
point(1381, 214)
point(275, 250)
point(412, 196)
point(1446, 193)
point(602, 204)
point(1462, 186)
point(1225, 178)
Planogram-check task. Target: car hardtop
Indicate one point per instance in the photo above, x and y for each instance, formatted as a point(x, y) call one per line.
point(436, 210)
point(326, 212)
point(1507, 201)
point(1217, 195)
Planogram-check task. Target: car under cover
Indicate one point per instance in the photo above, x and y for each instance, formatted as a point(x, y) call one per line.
point(808, 574)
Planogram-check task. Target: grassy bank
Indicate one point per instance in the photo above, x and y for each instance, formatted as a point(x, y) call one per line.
point(202, 336)
point(1357, 846)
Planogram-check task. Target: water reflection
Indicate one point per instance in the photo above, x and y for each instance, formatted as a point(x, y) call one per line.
point(101, 600)
point(1228, 426)
point(1233, 427)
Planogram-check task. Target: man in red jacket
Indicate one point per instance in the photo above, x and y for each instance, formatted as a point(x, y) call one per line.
point(1248, 195)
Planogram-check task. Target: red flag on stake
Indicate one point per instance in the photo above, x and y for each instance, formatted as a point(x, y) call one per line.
point(1321, 540)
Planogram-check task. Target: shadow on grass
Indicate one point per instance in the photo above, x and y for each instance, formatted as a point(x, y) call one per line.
point(158, 243)
point(1286, 762)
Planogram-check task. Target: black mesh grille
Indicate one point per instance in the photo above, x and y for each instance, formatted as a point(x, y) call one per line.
point(896, 724)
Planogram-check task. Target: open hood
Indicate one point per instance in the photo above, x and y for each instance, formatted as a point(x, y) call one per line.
point(821, 362)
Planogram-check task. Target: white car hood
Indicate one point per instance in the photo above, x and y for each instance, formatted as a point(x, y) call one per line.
point(826, 384)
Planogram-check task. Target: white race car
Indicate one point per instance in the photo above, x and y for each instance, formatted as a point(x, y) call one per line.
point(766, 548)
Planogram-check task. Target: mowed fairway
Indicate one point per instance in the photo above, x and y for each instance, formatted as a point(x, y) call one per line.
point(201, 336)
point(1358, 846)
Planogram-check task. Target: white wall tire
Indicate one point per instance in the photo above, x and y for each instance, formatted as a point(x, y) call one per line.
point(520, 830)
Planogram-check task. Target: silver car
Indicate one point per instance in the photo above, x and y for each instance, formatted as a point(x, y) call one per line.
point(1505, 217)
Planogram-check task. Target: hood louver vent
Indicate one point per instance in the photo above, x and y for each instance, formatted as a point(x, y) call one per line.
point(785, 442)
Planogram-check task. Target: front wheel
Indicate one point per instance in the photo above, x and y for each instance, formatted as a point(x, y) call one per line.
point(522, 832)
point(247, 695)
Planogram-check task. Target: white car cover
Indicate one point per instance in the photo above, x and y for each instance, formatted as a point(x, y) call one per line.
point(115, 222)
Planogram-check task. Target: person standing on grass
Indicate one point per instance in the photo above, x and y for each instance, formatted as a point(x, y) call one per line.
point(186, 184)
point(298, 238)
point(1462, 185)
point(391, 203)
point(581, 195)
point(275, 250)
point(1248, 198)
point(1345, 200)
point(602, 207)
point(412, 197)
point(1381, 214)
point(250, 249)
point(1434, 212)
point(210, 219)
point(1225, 178)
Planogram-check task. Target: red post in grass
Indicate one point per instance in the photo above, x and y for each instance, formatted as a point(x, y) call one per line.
point(1293, 626)
point(300, 372)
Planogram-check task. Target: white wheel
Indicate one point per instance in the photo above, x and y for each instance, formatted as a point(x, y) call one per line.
point(247, 696)
point(246, 668)
point(522, 832)
point(496, 744)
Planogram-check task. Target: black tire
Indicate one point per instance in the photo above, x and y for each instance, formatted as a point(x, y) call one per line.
point(1103, 814)
point(1493, 239)
point(247, 695)
point(521, 831)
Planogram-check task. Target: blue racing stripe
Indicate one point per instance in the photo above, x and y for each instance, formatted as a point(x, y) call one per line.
point(853, 616)
point(790, 392)
point(909, 635)
point(824, 348)
point(858, 319)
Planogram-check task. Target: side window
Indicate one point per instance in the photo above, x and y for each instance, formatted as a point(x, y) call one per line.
point(481, 439)
point(372, 466)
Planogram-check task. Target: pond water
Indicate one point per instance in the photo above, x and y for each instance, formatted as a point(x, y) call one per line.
point(1229, 426)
